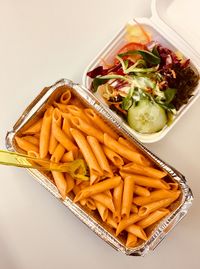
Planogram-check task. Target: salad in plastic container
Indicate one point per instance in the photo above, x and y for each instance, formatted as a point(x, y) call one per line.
point(145, 82)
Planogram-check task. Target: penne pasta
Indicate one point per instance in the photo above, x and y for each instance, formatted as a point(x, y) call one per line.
point(113, 157)
point(124, 223)
point(125, 189)
point(62, 107)
point(35, 128)
point(147, 209)
point(77, 112)
point(56, 120)
point(66, 128)
point(32, 139)
point(65, 97)
point(127, 144)
point(141, 191)
point(76, 102)
point(98, 188)
point(131, 240)
point(153, 217)
point(70, 182)
point(173, 186)
point(134, 209)
point(60, 182)
point(110, 221)
point(25, 145)
point(90, 204)
point(123, 151)
point(153, 197)
point(67, 157)
point(87, 128)
point(64, 140)
point(104, 200)
point(76, 189)
point(45, 133)
point(108, 193)
point(100, 156)
point(127, 196)
point(103, 211)
point(58, 153)
point(37, 135)
point(135, 168)
point(147, 181)
point(117, 200)
point(95, 170)
point(100, 123)
point(137, 231)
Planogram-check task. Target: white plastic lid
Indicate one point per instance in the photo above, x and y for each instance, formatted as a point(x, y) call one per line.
point(181, 16)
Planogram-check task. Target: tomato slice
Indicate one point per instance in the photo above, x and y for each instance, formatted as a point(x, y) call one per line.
point(131, 46)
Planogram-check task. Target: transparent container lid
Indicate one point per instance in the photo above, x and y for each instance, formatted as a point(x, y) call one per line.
point(181, 16)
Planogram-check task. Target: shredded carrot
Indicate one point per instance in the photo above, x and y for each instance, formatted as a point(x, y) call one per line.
point(117, 105)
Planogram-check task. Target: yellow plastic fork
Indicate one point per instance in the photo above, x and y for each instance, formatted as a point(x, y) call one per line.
point(76, 169)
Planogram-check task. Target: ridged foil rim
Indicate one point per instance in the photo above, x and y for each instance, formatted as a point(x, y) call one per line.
point(162, 229)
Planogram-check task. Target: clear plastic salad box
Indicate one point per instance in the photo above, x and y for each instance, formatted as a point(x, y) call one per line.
point(165, 35)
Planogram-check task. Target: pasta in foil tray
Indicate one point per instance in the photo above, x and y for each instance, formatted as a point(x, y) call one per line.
point(124, 190)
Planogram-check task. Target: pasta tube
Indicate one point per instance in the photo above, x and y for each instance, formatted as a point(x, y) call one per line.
point(32, 139)
point(124, 151)
point(65, 97)
point(100, 123)
point(58, 153)
point(77, 112)
point(141, 191)
point(87, 128)
point(127, 196)
point(127, 144)
point(67, 157)
point(70, 182)
point(104, 200)
point(137, 231)
point(62, 107)
point(25, 145)
point(124, 223)
point(56, 120)
point(35, 128)
point(153, 217)
point(131, 240)
point(103, 211)
point(154, 196)
point(147, 209)
point(64, 140)
point(100, 156)
point(90, 204)
point(61, 183)
point(173, 186)
point(95, 170)
point(117, 200)
point(45, 133)
point(147, 181)
point(113, 157)
point(135, 168)
point(110, 221)
point(98, 188)
point(66, 128)
point(134, 209)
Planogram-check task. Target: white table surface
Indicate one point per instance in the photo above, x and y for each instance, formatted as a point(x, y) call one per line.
point(41, 42)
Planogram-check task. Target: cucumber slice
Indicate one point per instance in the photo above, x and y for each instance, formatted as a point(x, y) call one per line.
point(146, 117)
